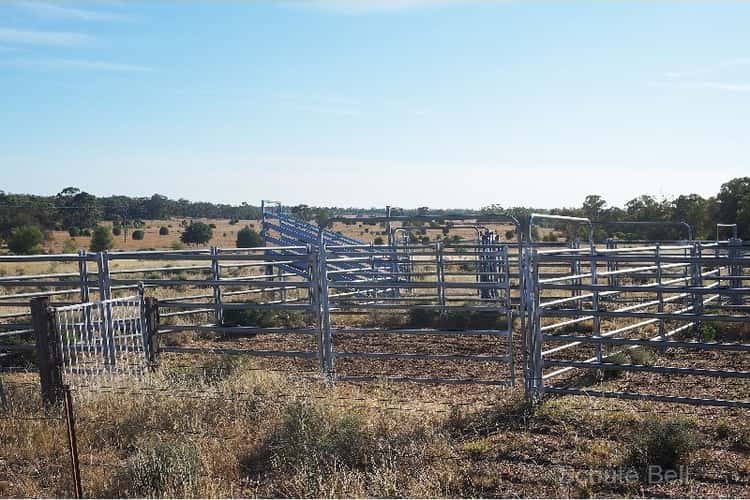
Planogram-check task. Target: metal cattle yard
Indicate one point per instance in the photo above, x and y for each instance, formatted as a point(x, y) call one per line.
point(664, 320)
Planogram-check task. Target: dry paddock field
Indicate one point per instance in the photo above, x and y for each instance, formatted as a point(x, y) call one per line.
point(227, 426)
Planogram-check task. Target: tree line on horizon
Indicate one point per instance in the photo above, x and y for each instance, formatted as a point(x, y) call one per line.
point(73, 209)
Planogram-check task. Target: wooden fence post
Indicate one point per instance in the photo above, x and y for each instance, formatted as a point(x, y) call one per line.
point(151, 315)
point(48, 353)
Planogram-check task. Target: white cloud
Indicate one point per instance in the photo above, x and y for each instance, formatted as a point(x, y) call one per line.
point(77, 64)
point(63, 12)
point(35, 37)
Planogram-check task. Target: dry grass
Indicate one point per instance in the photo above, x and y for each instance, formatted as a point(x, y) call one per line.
point(228, 427)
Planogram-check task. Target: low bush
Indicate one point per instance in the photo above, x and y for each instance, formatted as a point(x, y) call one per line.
point(457, 320)
point(642, 356)
point(171, 469)
point(69, 246)
point(74, 232)
point(25, 240)
point(668, 444)
point(138, 234)
point(248, 238)
point(163, 231)
point(311, 441)
point(102, 239)
point(618, 358)
point(263, 318)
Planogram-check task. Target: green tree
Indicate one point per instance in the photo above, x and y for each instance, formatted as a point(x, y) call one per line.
point(163, 231)
point(593, 207)
point(157, 207)
point(693, 209)
point(101, 240)
point(734, 204)
point(197, 233)
point(248, 238)
point(78, 208)
point(25, 240)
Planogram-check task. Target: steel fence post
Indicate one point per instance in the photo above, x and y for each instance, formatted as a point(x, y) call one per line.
point(660, 293)
point(216, 277)
point(325, 317)
point(696, 281)
point(597, 321)
point(72, 441)
point(735, 247)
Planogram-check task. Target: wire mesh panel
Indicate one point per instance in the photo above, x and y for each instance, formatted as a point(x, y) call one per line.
point(102, 341)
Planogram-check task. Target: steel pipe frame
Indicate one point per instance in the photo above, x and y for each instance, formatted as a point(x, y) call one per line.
point(650, 318)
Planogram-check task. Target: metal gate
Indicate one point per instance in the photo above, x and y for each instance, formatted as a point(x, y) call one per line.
point(102, 341)
point(656, 322)
point(444, 318)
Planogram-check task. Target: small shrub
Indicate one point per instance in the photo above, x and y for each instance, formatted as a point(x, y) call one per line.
point(69, 246)
point(263, 318)
point(723, 430)
point(311, 436)
point(138, 234)
point(457, 320)
point(177, 245)
point(86, 232)
point(102, 239)
point(667, 444)
point(197, 233)
point(74, 232)
point(210, 373)
point(25, 240)
point(248, 238)
point(163, 231)
point(642, 356)
point(166, 470)
point(708, 332)
point(117, 230)
point(618, 358)
point(378, 241)
point(478, 449)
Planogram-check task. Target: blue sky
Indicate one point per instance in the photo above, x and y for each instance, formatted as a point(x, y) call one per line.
point(444, 103)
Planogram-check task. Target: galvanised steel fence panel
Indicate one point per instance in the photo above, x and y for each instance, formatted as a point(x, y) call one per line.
point(232, 296)
point(586, 321)
point(433, 323)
